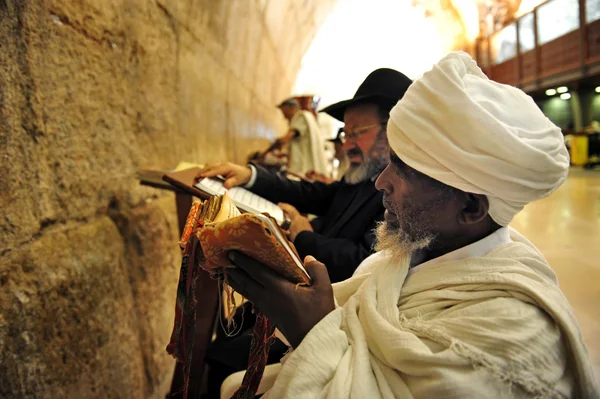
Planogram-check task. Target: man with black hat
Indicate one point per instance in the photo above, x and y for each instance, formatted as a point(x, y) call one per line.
point(343, 233)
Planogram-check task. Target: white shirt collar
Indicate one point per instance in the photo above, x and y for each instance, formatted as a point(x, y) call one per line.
point(477, 249)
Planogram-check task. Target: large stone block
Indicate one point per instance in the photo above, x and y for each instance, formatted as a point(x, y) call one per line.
point(69, 324)
point(254, 34)
point(150, 234)
point(274, 20)
point(69, 124)
point(20, 215)
point(86, 311)
point(235, 57)
point(264, 71)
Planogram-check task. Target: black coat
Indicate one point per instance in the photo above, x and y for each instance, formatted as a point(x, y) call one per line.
point(347, 216)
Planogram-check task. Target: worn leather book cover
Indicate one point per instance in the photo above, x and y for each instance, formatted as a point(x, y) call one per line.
point(220, 227)
point(215, 227)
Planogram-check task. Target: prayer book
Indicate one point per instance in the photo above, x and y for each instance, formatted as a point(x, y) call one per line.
point(245, 200)
point(220, 227)
point(213, 228)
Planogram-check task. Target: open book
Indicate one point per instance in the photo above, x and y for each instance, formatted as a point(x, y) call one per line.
point(220, 227)
point(244, 200)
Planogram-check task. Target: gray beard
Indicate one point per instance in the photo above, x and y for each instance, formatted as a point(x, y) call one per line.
point(367, 171)
point(396, 241)
point(358, 174)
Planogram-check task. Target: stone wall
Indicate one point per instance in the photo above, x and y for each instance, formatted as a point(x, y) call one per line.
point(90, 91)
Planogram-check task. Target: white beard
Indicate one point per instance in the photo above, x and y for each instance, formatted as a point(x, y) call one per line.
point(357, 174)
point(397, 242)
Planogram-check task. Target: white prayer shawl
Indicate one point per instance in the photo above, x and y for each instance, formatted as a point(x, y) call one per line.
point(307, 150)
point(492, 326)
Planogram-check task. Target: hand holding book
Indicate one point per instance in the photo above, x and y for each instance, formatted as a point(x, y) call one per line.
point(220, 228)
point(298, 222)
point(294, 309)
point(251, 253)
point(233, 174)
point(261, 264)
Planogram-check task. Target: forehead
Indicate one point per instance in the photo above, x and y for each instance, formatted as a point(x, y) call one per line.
point(398, 163)
point(416, 178)
point(405, 171)
point(361, 115)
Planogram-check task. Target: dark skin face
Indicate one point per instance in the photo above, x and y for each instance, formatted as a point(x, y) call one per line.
point(455, 218)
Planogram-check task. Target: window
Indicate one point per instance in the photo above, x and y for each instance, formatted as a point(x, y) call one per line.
point(504, 44)
point(557, 18)
point(592, 10)
point(526, 33)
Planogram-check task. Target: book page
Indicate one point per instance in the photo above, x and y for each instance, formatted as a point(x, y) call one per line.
point(228, 210)
point(242, 198)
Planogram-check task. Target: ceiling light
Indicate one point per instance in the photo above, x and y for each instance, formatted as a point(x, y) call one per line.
point(598, 89)
point(550, 92)
point(565, 96)
point(562, 89)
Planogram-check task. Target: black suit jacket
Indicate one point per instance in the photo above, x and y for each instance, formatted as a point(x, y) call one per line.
point(347, 216)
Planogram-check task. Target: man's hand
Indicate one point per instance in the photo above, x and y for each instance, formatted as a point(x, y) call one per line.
point(294, 310)
point(289, 136)
point(298, 223)
point(313, 175)
point(235, 175)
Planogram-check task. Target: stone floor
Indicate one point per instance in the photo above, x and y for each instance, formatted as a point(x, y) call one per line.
point(566, 228)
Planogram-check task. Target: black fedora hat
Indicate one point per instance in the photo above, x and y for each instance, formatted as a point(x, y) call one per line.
point(383, 86)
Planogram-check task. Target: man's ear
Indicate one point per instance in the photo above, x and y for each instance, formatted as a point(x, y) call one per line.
point(476, 208)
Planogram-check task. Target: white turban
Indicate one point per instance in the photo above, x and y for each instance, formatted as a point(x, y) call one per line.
point(462, 129)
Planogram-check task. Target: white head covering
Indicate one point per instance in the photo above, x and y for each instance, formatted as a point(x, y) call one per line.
point(458, 127)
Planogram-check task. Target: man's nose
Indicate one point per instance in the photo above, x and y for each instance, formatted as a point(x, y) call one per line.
point(381, 183)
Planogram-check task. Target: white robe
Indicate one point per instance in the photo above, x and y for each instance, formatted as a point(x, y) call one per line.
point(490, 326)
point(307, 150)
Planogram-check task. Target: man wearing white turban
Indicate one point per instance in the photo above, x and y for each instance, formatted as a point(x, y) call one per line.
point(455, 303)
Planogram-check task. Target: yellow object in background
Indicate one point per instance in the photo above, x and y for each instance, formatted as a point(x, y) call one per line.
point(579, 150)
point(187, 165)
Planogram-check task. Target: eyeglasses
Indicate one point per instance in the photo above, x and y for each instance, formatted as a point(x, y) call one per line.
point(357, 132)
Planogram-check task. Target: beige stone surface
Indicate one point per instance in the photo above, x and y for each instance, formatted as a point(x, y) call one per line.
point(90, 91)
point(152, 259)
point(69, 323)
